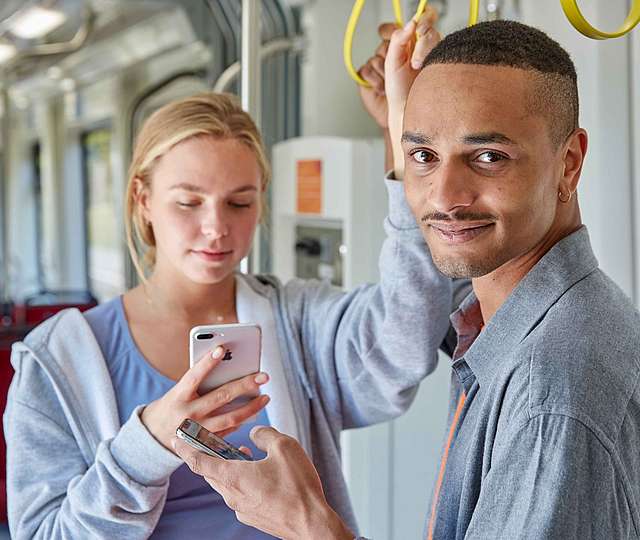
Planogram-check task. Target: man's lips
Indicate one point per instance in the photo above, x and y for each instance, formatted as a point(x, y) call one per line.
point(459, 233)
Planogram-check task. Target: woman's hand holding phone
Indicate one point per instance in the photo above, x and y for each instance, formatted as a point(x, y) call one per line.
point(163, 416)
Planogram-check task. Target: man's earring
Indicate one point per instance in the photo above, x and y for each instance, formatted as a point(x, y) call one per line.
point(561, 197)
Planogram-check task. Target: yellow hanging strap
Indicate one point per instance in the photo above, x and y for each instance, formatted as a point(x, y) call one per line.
point(397, 11)
point(576, 18)
point(474, 8)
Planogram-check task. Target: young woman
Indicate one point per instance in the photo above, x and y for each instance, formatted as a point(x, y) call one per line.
point(97, 397)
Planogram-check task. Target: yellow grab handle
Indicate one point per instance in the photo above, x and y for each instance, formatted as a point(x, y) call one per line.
point(397, 11)
point(348, 42)
point(351, 29)
point(576, 18)
point(474, 8)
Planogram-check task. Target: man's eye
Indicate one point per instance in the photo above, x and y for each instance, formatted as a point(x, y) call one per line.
point(490, 157)
point(423, 156)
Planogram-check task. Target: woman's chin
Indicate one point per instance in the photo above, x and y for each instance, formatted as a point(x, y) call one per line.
point(210, 276)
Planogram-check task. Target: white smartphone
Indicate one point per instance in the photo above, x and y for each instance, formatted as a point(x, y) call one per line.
point(242, 345)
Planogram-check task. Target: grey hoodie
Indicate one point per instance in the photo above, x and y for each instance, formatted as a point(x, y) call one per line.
point(351, 359)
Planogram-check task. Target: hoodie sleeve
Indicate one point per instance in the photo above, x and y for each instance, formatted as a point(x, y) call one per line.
point(371, 347)
point(54, 491)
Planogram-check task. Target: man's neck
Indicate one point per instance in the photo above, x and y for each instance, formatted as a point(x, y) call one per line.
point(494, 288)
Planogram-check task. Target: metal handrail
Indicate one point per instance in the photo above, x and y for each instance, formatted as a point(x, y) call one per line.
point(229, 75)
point(64, 47)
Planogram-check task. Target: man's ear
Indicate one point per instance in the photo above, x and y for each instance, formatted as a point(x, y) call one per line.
point(141, 194)
point(574, 152)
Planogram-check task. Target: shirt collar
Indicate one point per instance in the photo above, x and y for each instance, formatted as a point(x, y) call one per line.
point(566, 263)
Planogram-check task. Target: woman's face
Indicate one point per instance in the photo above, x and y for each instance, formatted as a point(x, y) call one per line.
point(204, 205)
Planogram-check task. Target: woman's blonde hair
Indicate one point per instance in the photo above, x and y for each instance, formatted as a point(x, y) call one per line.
point(219, 115)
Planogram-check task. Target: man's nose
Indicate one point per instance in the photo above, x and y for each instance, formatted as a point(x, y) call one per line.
point(450, 188)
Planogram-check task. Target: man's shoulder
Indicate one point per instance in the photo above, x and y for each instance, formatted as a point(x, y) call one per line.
point(585, 355)
point(593, 324)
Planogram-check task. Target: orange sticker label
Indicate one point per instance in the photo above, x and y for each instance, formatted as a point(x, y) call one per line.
point(309, 183)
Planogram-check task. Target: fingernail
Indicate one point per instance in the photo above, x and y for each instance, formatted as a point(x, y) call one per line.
point(217, 353)
point(261, 378)
point(266, 399)
point(173, 443)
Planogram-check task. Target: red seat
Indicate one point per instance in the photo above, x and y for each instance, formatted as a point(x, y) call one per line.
point(34, 315)
point(7, 337)
point(30, 315)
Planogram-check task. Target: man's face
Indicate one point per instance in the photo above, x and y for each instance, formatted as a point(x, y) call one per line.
point(481, 173)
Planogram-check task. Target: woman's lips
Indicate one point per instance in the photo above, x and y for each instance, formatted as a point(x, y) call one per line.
point(212, 256)
point(459, 233)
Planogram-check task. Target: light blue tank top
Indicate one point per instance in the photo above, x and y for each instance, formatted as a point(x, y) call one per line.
point(192, 509)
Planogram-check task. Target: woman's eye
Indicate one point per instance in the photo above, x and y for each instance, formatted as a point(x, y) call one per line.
point(239, 204)
point(490, 157)
point(423, 156)
point(187, 204)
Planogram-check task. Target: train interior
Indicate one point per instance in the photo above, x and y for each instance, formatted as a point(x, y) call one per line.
point(78, 78)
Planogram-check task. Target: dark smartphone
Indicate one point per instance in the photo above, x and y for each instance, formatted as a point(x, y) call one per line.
point(209, 443)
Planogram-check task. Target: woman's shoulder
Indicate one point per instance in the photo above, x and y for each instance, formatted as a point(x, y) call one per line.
point(268, 284)
point(54, 328)
point(264, 284)
point(61, 345)
point(110, 328)
point(108, 309)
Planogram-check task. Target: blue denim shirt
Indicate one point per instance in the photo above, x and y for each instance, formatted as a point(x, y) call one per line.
point(546, 440)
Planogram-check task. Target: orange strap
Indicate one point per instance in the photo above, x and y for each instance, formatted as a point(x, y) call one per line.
point(443, 464)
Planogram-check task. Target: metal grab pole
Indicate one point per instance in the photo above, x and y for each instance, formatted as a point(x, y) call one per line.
point(250, 94)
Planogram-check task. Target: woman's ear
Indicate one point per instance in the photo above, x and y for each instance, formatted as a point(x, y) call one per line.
point(141, 195)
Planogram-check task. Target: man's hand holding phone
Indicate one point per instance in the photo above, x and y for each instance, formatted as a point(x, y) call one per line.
point(281, 494)
point(163, 416)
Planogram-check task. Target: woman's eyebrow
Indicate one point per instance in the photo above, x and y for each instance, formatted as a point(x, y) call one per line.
point(197, 189)
point(248, 187)
point(188, 187)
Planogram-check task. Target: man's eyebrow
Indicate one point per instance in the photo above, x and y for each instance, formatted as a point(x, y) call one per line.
point(416, 138)
point(485, 138)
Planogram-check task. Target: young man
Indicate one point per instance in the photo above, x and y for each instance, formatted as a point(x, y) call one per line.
point(545, 399)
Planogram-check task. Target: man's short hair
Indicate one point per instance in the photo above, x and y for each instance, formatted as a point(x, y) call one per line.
point(509, 43)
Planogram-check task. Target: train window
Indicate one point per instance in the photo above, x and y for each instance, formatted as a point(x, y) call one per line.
point(36, 156)
point(105, 254)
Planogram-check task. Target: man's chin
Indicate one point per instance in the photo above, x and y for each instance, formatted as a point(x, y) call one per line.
point(458, 268)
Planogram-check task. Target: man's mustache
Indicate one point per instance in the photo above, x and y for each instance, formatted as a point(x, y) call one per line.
point(456, 216)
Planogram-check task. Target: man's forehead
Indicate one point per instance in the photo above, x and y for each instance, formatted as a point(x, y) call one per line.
point(465, 101)
point(467, 83)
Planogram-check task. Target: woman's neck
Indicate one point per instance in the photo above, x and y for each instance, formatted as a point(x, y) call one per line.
point(176, 296)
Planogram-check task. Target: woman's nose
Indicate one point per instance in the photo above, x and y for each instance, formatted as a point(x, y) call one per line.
point(215, 226)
